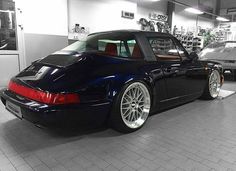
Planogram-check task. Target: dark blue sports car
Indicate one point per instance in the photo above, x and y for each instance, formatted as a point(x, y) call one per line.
point(117, 77)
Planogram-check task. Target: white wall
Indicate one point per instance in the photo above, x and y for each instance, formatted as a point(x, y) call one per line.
point(101, 15)
point(143, 9)
point(44, 16)
point(45, 24)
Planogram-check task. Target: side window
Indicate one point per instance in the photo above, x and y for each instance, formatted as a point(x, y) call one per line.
point(164, 49)
point(109, 47)
point(123, 51)
point(120, 48)
point(131, 44)
point(182, 52)
point(103, 43)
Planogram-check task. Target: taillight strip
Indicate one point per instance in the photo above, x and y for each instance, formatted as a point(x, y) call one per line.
point(43, 97)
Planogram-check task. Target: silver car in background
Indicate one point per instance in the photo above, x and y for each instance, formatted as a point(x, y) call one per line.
point(224, 53)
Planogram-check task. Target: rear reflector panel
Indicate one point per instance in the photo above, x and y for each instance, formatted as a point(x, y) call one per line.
point(43, 97)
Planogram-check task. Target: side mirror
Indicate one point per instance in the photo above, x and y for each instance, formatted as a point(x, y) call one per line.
point(193, 56)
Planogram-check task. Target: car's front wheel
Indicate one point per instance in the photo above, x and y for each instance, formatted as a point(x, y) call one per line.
point(131, 108)
point(213, 86)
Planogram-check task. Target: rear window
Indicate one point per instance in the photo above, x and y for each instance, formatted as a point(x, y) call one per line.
point(112, 44)
point(60, 60)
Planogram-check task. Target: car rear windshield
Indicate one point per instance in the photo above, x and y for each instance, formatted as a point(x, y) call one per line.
point(60, 60)
point(112, 44)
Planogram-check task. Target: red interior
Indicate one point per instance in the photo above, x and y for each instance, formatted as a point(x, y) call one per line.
point(111, 49)
point(137, 52)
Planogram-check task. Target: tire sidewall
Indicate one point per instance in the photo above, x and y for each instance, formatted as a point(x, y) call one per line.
point(206, 94)
point(115, 119)
point(214, 70)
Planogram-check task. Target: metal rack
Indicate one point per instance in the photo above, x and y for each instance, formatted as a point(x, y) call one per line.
point(190, 42)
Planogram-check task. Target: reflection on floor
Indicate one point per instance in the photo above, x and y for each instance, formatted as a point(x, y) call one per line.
point(197, 136)
point(225, 93)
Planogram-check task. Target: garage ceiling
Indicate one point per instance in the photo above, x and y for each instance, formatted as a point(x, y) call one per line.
point(224, 3)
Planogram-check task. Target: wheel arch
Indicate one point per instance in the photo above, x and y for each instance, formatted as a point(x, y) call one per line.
point(215, 66)
point(117, 85)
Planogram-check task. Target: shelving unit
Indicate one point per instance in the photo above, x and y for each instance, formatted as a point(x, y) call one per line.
point(161, 45)
point(190, 42)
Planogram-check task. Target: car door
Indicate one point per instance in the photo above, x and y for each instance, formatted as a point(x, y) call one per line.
point(178, 70)
point(195, 72)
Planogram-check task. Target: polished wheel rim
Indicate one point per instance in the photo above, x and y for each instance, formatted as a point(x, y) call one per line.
point(214, 84)
point(135, 105)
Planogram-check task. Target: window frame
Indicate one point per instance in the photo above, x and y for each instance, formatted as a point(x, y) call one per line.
point(134, 37)
point(174, 43)
point(177, 43)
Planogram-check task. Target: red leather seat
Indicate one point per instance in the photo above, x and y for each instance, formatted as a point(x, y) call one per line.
point(111, 49)
point(137, 52)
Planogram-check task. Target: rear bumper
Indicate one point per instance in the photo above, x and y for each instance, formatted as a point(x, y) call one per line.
point(94, 113)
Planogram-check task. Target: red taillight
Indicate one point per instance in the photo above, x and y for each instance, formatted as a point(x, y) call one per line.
point(43, 97)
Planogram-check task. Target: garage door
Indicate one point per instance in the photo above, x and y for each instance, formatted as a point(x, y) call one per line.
point(11, 44)
point(9, 66)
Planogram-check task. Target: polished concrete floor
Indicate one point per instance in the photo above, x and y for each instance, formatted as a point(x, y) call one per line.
point(197, 136)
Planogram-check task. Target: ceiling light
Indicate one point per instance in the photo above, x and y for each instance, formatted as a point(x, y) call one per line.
point(222, 19)
point(194, 11)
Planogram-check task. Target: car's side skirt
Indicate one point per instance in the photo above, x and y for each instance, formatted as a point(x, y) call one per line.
point(175, 101)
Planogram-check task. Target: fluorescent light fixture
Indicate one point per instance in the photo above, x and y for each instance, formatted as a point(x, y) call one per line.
point(153, 0)
point(222, 19)
point(194, 11)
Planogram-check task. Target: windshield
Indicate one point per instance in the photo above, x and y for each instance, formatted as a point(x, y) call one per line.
point(219, 50)
point(113, 44)
point(229, 44)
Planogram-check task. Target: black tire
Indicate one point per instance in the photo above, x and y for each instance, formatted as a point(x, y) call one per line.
point(206, 94)
point(115, 120)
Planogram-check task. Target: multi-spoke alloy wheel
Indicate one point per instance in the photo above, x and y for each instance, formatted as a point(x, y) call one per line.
point(135, 105)
point(214, 84)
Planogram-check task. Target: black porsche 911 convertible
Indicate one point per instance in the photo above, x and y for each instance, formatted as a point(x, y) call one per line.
point(116, 77)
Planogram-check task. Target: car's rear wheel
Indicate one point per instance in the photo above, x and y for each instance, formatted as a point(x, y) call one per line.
point(131, 108)
point(213, 86)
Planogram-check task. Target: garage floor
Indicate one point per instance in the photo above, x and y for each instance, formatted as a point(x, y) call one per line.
point(197, 136)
